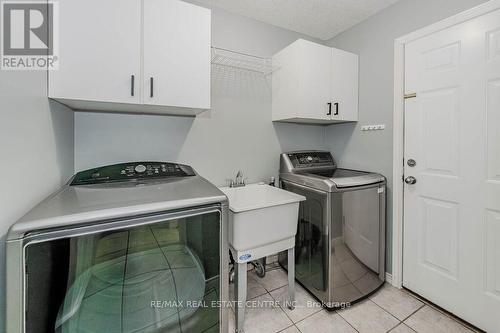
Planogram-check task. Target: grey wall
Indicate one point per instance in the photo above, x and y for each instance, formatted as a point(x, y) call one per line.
point(373, 40)
point(36, 150)
point(237, 133)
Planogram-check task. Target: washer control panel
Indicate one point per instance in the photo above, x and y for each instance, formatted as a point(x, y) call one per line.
point(131, 171)
point(311, 159)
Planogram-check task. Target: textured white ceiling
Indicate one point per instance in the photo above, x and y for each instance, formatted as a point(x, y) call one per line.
point(322, 19)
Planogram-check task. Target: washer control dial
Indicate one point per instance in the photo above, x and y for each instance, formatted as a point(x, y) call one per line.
point(140, 168)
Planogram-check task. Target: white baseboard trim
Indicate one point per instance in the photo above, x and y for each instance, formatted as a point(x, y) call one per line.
point(388, 278)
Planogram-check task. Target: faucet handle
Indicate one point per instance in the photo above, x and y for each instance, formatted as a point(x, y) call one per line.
point(238, 181)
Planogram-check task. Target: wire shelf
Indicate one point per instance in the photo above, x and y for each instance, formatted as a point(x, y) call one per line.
point(241, 61)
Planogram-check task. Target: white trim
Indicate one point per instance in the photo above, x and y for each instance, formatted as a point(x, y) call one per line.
point(464, 16)
point(397, 166)
point(388, 278)
point(398, 125)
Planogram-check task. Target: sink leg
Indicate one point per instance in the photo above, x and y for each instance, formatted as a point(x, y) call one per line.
point(291, 278)
point(241, 295)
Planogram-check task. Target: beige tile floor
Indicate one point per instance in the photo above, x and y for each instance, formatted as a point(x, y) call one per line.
point(388, 310)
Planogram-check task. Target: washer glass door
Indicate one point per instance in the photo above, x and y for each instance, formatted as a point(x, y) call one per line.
point(311, 241)
point(161, 277)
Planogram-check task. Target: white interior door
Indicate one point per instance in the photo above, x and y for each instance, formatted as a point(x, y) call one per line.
point(177, 54)
point(452, 132)
point(100, 51)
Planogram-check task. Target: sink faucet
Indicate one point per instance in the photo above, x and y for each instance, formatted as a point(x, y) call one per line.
point(239, 181)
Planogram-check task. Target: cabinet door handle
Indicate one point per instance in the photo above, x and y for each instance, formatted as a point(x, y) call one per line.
point(132, 83)
point(151, 87)
point(329, 113)
point(336, 109)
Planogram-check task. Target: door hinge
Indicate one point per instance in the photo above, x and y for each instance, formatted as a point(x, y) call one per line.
point(411, 95)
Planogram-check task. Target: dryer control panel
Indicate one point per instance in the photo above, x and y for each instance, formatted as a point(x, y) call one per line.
point(131, 171)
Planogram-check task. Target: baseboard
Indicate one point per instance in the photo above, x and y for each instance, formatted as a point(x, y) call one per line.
point(388, 278)
point(272, 259)
point(338, 241)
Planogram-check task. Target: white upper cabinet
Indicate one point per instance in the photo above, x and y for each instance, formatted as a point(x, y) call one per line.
point(99, 51)
point(143, 56)
point(314, 80)
point(344, 91)
point(177, 54)
point(313, 83)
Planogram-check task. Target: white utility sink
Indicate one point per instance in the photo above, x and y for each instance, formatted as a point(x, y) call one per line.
point(262, 220)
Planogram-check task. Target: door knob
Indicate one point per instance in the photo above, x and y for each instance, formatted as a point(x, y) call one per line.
point(410, 180)
point(411, 162)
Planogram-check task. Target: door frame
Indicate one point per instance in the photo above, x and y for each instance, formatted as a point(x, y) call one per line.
point(398, 125)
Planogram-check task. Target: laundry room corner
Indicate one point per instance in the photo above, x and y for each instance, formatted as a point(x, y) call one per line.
point(37, 149)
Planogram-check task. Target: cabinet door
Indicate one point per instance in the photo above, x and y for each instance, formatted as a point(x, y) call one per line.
point(315, 80)
point(344, 93)
point(100, 52)
point(177, 53)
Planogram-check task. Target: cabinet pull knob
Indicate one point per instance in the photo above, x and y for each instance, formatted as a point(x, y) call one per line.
point(132, 82)
point(336, 109)
point(329, 113)
point(151, 87)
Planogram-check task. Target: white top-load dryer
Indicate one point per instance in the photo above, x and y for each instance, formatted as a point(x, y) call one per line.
point(133, 247)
